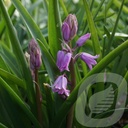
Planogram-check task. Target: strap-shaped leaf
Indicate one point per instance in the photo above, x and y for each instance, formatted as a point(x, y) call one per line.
point(92, 28)
point(19, 54)
point(2, 23)
point(18, 102)
point(2, 125)
point(8, 76)
point(54, 27)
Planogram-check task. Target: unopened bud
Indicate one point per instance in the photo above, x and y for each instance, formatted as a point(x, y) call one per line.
point(35, 55)
point(69, 28)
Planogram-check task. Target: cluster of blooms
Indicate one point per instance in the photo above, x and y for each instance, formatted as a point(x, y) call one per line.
point(69, 30)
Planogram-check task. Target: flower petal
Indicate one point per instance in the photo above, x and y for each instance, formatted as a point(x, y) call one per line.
point(63, 60)
point(83, 39)
point(89, 59)
point(60, 86)
point(66, 32)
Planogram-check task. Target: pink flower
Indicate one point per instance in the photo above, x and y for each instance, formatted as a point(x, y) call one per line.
point(89, 59)
point(60, 86)
point(63, 60)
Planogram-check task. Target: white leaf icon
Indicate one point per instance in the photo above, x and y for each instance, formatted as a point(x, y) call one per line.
point(101, 101)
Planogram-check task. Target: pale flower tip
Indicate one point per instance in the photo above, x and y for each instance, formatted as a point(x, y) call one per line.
point(97, 56)
point(46, 85)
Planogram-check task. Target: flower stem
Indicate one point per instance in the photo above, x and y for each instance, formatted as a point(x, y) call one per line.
point(38, 98)
point(73, 84)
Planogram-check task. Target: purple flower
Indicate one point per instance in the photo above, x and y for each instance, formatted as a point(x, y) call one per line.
point(63, 60)
point(66, 32)
point(69, 28)
point(60, 86)
point(89, 59)
point(35, 55)
point(83, 39)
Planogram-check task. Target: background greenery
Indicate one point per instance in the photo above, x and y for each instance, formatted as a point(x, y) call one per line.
point(106, 20)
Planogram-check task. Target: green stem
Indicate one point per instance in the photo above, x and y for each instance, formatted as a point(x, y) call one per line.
point(114, 29)
point(73, 84)
point(38, 98)
point(64, 7)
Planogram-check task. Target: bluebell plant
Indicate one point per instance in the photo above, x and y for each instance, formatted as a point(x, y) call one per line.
point(66, 59)
point(64, 56)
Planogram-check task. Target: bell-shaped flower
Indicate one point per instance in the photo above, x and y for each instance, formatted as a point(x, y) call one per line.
point(83, 39)
point(89, 59)
point(35, 55)
point(63, 60)
point(60, 86)
point(69, 28)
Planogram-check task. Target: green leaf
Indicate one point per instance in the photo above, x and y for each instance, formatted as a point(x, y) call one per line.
point(3, 64)
point(15, 106)
point(73, 96)
point(64, 7)
point(50, 102)
point(110, 42)
point(118, 4)
point(8, 76)
point(2, 23)
point(49, 61)
point(54, 26)
point(19, 54)
point(10, 60)
point(32, 26)
point(122, 63)
point(98, 9)
point(2, 125)
point(92, 28)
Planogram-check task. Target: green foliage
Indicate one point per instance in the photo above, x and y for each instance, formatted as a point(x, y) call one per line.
point(106, 20)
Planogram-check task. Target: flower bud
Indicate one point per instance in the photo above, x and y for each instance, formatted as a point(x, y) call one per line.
point(69, 28)
point(83, 39)
point(89, 59)
point(63, 60)
point(60, 86)
point(35, 55)
point(66, 32)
